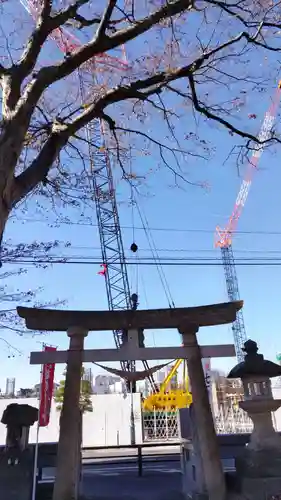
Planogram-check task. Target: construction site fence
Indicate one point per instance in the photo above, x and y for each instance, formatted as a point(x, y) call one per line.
point(164, 426)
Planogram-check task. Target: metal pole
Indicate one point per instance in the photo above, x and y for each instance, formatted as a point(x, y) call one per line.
point(132, 420)
point(37, 440)
point(35, 464)
point(139, 460)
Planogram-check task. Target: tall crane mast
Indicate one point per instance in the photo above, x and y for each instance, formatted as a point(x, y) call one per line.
point(223, 237)
point(113, 256)
point(114, 263)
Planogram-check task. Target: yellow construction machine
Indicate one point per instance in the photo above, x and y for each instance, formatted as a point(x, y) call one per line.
point(170, 399)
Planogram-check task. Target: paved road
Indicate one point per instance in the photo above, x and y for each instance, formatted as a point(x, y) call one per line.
point(115, 477)
point(170, 466)
point(120, 481)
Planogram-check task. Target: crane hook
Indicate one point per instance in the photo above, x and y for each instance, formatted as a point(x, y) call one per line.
point(104, 269)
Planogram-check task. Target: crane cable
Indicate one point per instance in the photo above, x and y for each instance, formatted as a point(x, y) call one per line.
point(155, 255)
point(134, 285)
point(160, 270)
point(134, 276)
point(134, 248)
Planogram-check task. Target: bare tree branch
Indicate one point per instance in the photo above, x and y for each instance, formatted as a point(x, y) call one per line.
point(101, 30)
point(3, 70)
point(39, 168)
point(79, 21)
point(45, 25)
point(202, 109)
point(140, 89)
point(34, 45)
point(98, 45)
point(43, 117)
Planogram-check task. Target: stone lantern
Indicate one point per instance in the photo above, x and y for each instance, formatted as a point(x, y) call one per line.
point(17, 458)
point(259, 466)
point(18, 418)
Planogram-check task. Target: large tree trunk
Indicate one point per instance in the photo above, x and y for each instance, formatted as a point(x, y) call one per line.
point(11, 141)
point(16, 116)
point(3, 220)
point(4, 214)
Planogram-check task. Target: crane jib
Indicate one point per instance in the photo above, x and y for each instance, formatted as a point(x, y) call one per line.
point(224, 236)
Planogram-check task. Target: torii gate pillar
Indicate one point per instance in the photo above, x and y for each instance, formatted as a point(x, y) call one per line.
point(71, 420)
point(186, 320)
point(209, 448)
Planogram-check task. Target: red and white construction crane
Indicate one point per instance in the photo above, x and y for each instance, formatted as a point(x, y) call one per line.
point(113, 258)
point(223, 237)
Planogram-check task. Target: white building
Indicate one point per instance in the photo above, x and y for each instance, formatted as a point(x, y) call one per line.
point(105, 384)
point(118, 387)
point(10, 387)
point(88, 376)
point(160, 376)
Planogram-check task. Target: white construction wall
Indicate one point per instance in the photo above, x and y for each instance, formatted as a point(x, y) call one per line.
point(109, 424)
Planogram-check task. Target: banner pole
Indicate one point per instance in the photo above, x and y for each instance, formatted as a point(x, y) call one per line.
point(35, 464)
point(34, 483)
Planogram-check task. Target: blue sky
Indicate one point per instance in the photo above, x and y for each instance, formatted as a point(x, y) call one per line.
point(193, 213)
point(192, 209)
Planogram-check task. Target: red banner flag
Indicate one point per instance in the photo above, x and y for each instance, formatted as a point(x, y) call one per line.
point(46, 392)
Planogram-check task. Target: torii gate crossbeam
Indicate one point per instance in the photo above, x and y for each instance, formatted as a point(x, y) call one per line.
point(79, 323)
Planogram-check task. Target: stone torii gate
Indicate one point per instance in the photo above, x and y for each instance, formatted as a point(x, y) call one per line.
point(77, 324)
